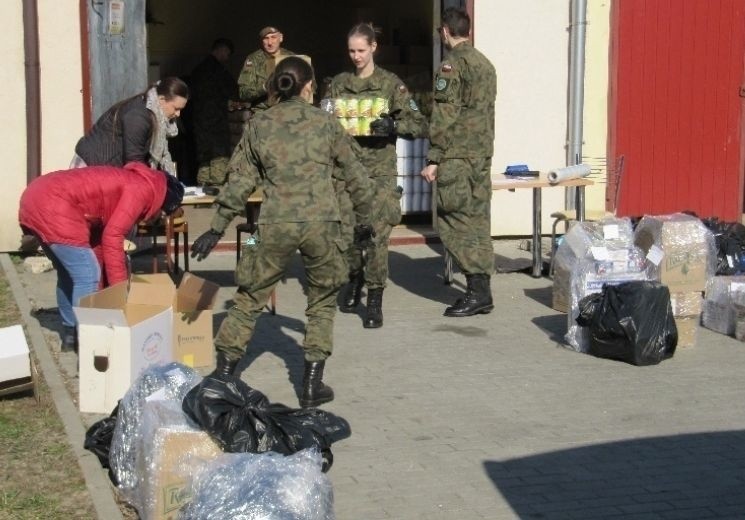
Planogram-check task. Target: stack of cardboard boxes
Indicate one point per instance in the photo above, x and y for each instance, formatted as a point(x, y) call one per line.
point(130, 326)
point(680, 253)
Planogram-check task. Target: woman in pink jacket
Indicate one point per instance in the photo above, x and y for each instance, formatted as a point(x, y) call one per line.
point(82, 216)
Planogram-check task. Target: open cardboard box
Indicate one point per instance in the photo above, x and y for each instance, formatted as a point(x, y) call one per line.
point(122, 330)
point(192, 317)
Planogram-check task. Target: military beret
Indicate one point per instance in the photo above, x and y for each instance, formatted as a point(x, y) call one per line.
point(267, 30)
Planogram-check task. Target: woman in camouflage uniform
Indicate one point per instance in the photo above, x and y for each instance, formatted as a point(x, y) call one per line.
point(294, 151)
point(378, 154)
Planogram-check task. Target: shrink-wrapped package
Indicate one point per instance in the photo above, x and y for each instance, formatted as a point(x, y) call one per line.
point(591, 255)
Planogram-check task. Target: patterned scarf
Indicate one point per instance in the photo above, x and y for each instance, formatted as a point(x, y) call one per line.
point(160, 157)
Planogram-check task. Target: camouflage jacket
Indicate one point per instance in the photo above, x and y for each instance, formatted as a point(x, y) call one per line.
point(294, 151)
point(256, 71)
point(462, 122)
point(379, 153)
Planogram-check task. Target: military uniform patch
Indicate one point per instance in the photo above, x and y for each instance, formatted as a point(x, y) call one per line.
point(248, 64)
point(446, 67)
point(441, 84)
point(402, 89)
point(412, 105)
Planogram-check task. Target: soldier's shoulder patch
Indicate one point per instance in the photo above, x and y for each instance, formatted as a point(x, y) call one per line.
point(441, 84)
point(402, 88)
point(446, 67)
point(248, 64)
point(412, 105)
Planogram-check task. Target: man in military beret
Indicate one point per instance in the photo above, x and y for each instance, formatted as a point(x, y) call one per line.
point(459, 159)
point(259, 65)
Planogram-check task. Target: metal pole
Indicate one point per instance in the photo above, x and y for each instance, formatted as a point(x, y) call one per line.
point(577, 30)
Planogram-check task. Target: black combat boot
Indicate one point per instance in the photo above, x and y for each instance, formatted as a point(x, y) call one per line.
point(477, 299)
point(314, 391)
point(69, 339)
point(374, 311)
point(225, 366)
point(352, 292)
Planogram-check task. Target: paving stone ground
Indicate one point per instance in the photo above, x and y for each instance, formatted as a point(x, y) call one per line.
point(490, 417)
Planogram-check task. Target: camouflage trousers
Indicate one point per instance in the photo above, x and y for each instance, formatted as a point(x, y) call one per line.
point(262, 266)
point(386, 213)
point(463, 213)
point(213, 173)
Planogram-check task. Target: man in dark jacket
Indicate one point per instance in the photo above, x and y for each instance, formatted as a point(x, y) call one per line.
point(212, 87)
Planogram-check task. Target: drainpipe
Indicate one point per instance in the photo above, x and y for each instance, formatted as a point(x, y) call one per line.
point(85, 66)
point(33, 89)
point(577, 29)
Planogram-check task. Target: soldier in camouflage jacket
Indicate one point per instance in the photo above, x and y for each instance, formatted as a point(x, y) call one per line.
point(212, 87)
point(378, 153)
point(258, 67)
point(462, 136)
point(294, 151)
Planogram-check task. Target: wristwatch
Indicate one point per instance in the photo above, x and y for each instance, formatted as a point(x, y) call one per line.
point(430, 163)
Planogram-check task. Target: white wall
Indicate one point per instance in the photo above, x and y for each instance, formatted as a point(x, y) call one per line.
point(61, 101)
point(527, 41)
point(13, 129)
point(61, 82)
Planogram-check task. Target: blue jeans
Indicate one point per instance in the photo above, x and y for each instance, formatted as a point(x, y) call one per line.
point(78, 275)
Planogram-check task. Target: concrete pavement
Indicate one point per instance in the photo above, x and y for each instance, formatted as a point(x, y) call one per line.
point(488, 417)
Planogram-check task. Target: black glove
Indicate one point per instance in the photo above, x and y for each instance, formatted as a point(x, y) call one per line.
point(204, 244)
point(384, 126)
point(363, 235)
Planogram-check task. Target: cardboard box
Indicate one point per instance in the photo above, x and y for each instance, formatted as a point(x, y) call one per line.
point(686, 303)
point(192, 317)
point(687, 330)
point(678, 249)
point(14, 354)
point(122, 330)
point(192, 328)
point(167, 478)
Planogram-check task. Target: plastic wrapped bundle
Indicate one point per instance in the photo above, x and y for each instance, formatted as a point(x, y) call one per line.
point(680, 251)
point(262, 487)
point(596, 254)
point(719, 311)
point(585, 238)
point(172, 382)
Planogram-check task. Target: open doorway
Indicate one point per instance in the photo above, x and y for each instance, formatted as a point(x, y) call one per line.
point(180, 32)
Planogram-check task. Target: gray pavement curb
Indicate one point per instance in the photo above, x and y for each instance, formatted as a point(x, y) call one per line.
point(96, 479)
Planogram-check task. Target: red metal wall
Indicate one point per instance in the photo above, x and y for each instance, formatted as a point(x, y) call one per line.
point(675, 109)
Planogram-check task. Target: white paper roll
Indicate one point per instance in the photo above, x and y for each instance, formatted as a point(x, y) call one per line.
point(401, 165)
point(568, 172)
point(400, 147)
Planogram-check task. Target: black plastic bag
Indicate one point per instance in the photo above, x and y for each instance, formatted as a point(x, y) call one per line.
point(632, 322)
point(99, 435)
point(241, 419)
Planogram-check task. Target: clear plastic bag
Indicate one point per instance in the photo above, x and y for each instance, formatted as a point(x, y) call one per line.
point(171, 382)
point(266, 486)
